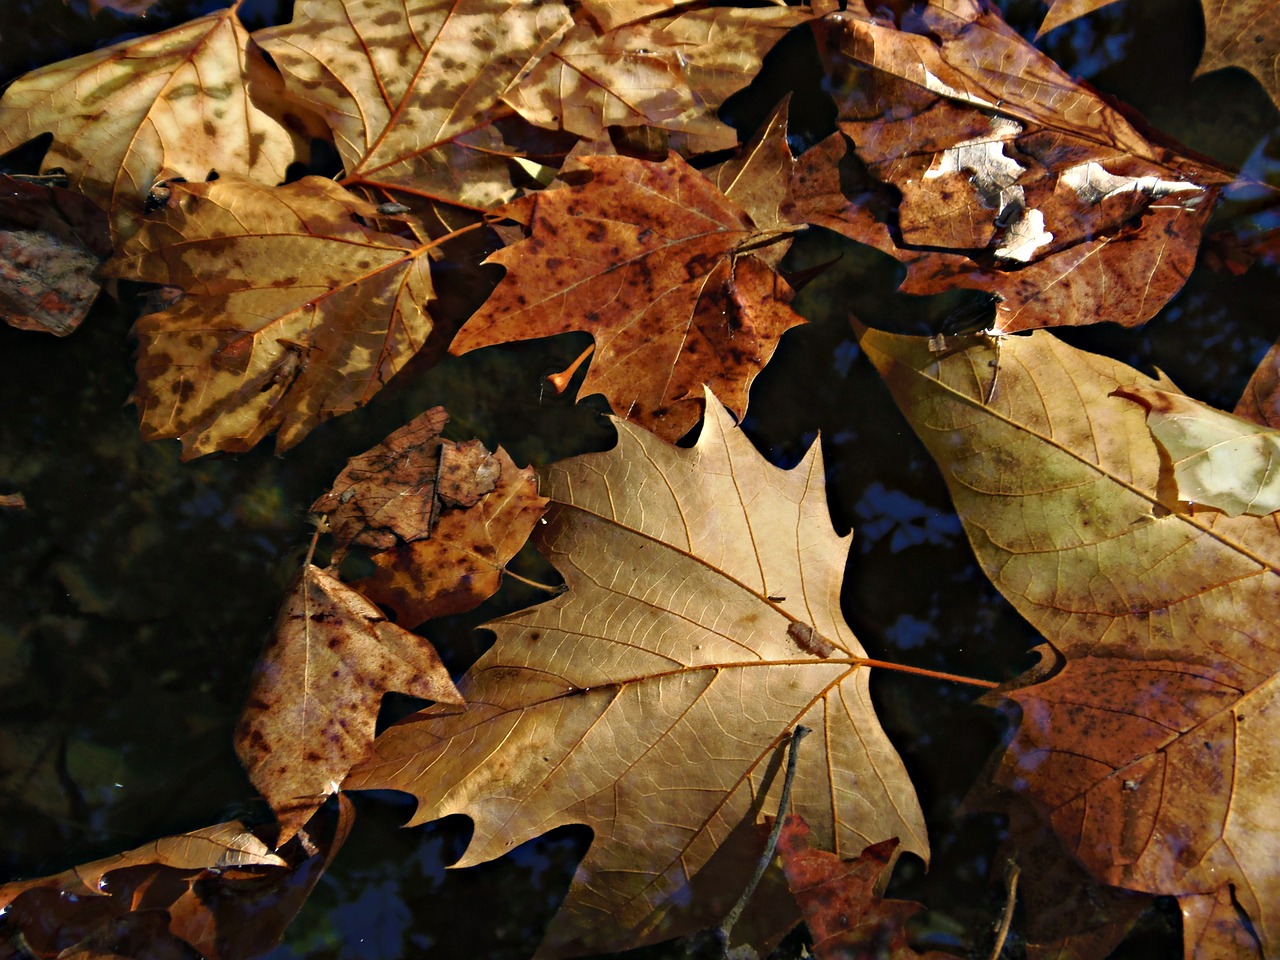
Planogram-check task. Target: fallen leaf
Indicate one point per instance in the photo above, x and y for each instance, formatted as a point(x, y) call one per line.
point(180, 103)
point(317, 690)
point(1212, 927)
point(1219, 460)
point(672, 73)
point(651, 700)
point(388, 494)
point(1151, 750)
point(412, 91)
point(13, 501)
point(1243, 33)
point(1064, 11)
point(1260, 401)
point(222, 845)
point(840, 899)
point(295, 311)
point(133, 8)
point(666, 274)
point(1013, 178)
point(462, 563)
point(51, 242)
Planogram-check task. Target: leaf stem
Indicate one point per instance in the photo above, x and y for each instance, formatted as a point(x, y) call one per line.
point(1006, 918)
point(546, 588)
point(925, 672)
point(771, 844)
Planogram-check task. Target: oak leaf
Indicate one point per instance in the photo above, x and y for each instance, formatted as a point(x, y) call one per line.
point(1151, 750)
point(672, 73)
point(180, 103)
point(316, 692)
point(1013, 178)
point(666, 273)
point(651, 700)
point(412, 91)
point(1243, 33)
point(294, 311)
point(840, 899)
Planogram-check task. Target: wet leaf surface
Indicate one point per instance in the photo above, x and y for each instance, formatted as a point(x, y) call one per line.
point(1246, 34)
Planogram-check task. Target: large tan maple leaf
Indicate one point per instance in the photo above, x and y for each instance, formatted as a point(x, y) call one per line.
point(1152, 750)
point(651, 700)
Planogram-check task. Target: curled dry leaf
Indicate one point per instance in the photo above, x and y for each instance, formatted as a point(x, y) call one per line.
point(840, 899)
point(1013, 178)
point(1260, 401)
point(180, 103)
point(412, 90)
point(1219, 460)
point(222, 845)
point(1151, 752)
point(317, 689)
point(672, 73)
point(295, 311)
point(663, 270)
point(1243, 33)
point(51, 242)
point(651, 700)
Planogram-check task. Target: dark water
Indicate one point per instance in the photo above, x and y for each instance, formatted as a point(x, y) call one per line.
point(138, 589)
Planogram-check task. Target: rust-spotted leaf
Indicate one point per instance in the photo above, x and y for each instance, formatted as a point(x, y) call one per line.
point(294, 310)
point(316, 693)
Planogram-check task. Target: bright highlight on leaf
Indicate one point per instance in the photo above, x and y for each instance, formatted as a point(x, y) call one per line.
point(651, 700)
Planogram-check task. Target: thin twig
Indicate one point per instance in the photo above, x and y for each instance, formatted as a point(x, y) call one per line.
point(771, 845)
point(1007, 917)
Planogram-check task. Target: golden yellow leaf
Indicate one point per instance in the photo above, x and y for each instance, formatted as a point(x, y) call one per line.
point(651, 700)
point(1152, 750)
point(1219, 460)
point(316, 693)
point(294, 311)
point(411, 89)
point(180, 103)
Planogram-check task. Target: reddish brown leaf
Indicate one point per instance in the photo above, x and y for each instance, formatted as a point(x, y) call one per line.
point(51, 242)
point(1243, 33)
point(316, 693)
point(663, 270)
point(294, 311)
point(840, 899)
point(1013, 178)
point(13, 501)
point(418, 86)
point(477, 531)
point(388, 494)
point(1213, 927)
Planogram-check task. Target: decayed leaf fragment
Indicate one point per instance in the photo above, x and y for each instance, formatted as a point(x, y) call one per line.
point(840, 899)
point(412, 90)
point(666, 273)
point(672, 73)
point(651, 699)
point(295, 311)
point(180, 103)
point(1243, 33)
point(1152, 750)
point(317, 689)
point(1013, 178)
point(444, 517)
point(1219, 460)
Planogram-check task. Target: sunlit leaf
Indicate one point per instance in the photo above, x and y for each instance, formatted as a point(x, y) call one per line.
point(1243, 33)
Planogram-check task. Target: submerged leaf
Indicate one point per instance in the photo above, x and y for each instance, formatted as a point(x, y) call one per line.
point(652, 699)
point(295, 311)
point(1152, 751)
point(1243, 33)
point(317, 689)
point(663, 270)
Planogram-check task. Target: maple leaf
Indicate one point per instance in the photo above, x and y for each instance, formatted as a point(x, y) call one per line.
point(51, 242)
point(412, 91)
point(701, 624)
point(180, 103)
point(1243, 33)
point(671, 73)
point(1151, 750)
point(444, 518)
point(661, 268)
point(840, 899)
point(294, 311)
point(317, 689)
point(1013, 178)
